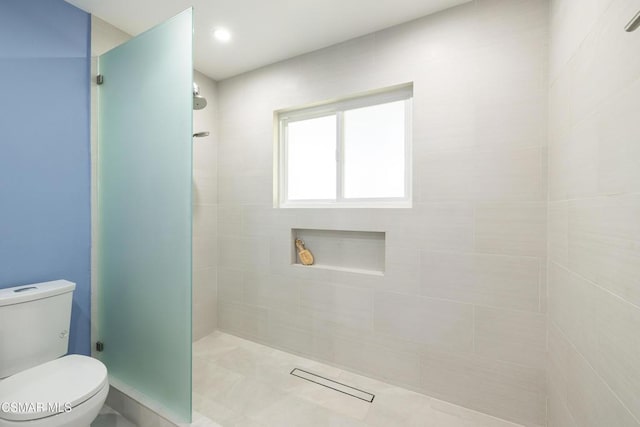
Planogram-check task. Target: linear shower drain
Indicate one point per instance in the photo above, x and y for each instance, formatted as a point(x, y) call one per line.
point(333, 385)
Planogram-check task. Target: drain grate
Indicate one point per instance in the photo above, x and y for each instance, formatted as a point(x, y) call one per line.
point(334, 385)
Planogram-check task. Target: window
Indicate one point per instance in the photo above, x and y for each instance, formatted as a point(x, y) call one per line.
point(350, 153)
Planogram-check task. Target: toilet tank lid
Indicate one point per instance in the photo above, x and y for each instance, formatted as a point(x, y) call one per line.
point(24, 293)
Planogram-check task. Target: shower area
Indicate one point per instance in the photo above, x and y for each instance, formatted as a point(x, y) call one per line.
point(504, 294)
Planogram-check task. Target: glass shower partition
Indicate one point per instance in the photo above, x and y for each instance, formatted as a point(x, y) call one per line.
point(144, 214)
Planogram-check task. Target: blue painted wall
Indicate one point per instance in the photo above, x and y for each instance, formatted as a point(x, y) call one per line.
point(45, 219)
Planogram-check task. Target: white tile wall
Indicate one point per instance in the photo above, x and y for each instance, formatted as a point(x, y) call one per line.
point(485, 279)
point(514, 336)
point(438, 323)
point(514, 228)
point(516, 391)
point(459, 312)
point(205, 212)
point(594, 215)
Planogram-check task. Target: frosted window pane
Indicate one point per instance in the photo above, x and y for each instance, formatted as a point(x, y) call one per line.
point(374, 145)
point(311, 150)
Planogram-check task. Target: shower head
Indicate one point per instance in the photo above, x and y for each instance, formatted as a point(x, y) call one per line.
point(634, 24)
point(199, 101)
point(200, 134)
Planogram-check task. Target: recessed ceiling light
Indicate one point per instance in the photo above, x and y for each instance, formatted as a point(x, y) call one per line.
point(222, 35)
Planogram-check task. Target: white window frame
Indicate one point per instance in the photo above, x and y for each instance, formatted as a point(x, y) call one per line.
point(337, 108)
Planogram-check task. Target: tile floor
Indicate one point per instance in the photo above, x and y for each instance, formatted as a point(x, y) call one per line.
point(239, 383)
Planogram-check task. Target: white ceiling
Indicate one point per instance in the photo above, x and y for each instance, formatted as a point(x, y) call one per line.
point(263, 31)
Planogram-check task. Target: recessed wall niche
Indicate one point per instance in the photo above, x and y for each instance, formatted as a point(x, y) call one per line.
point(343, 250)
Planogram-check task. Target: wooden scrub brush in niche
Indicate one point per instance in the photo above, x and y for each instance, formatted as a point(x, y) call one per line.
point(306, 258)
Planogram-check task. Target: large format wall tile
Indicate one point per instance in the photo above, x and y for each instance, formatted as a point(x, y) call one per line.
point(590, 401)
point(511, 228)
point(439, 323)
point(572, 308)
point(512, 336)
point(617, 326)
point(603, 243)
point(487, 279)
point(348, 306)
point(517, 392)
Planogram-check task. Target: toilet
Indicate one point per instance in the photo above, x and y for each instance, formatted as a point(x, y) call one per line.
point(39, 385)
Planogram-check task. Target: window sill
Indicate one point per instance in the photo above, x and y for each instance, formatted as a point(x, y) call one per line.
point(354, 205)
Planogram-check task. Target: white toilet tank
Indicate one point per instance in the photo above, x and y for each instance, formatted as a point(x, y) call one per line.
point(34, 324)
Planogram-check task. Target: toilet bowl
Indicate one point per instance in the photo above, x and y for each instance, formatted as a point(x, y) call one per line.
point(65, 392)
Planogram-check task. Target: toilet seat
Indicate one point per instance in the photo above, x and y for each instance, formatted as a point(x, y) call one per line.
point(69, 380)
